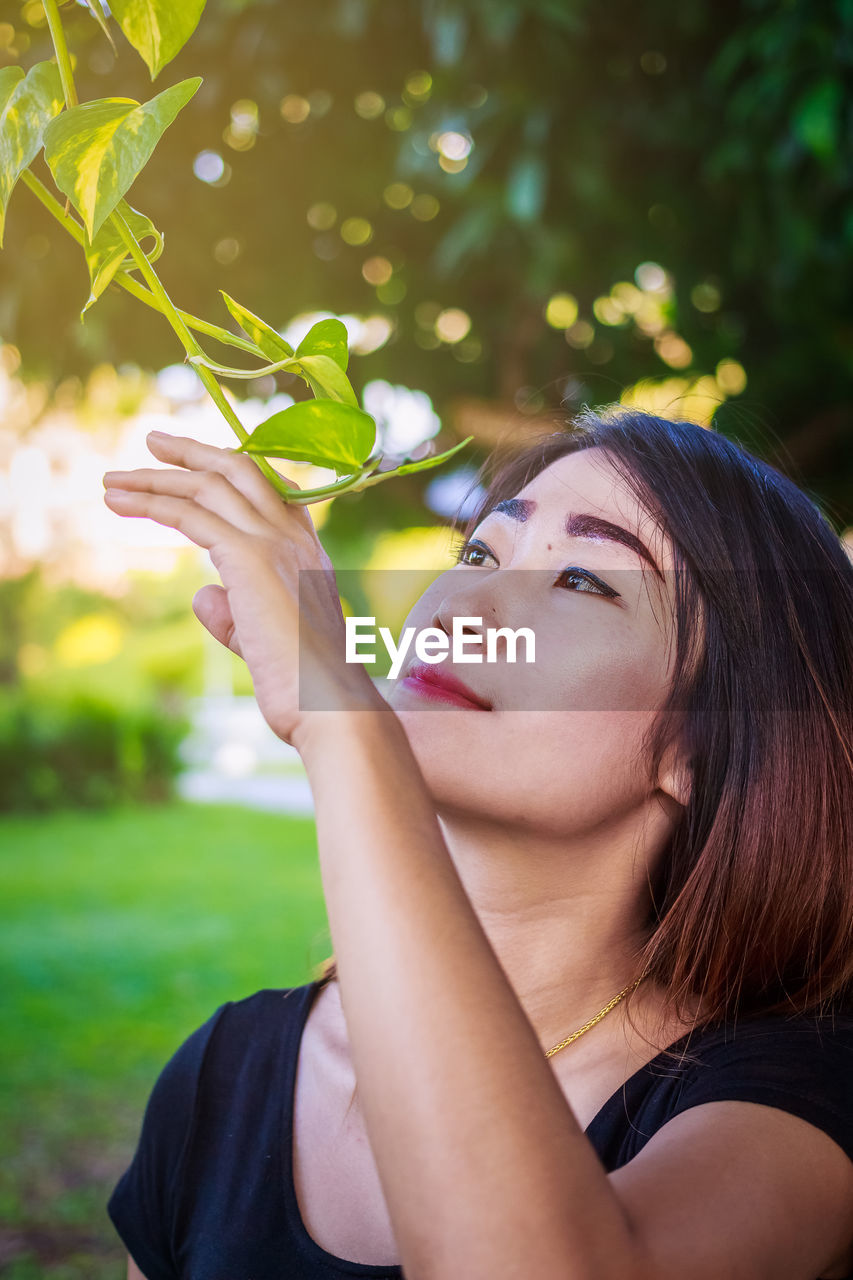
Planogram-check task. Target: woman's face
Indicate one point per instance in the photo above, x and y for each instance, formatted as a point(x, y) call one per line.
point(559, 748)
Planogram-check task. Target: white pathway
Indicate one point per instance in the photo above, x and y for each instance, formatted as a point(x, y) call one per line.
point(234, 757)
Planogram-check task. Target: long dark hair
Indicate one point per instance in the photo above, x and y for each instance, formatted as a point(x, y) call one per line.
point(751, 906)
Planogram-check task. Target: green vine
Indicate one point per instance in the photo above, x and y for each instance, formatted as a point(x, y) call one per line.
point(95, 151)
point(63, 58)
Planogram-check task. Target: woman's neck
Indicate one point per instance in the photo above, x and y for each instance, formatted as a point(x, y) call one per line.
point(564, 917)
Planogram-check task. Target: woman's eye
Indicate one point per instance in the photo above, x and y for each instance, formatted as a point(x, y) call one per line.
point(474, 552)
point(583, 580)
point(469, 551)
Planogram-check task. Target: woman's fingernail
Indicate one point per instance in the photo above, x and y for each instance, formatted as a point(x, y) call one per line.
point(162, 434)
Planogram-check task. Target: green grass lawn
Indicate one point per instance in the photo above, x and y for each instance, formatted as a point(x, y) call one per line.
point(120, 933)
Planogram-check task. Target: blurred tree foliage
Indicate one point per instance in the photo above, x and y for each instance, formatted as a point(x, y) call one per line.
point(712, 137)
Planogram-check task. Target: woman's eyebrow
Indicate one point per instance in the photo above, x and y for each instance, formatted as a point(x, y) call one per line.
point(580, 524)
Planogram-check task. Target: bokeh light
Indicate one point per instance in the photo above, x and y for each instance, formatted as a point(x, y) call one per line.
point(731, 377)
point(705, 296)
point(242, 131)
point(580, 335)
point(398, 195)
point(227, 250)
point(399, 119)
point(453, 145)
point(369, 105)
point(561, 310)
point(609, 310)
point(377, 270)
point(418, 87)
point(322, 216)
point(425, 207)
point(209, 166)
point(294, 108)
point(652, 277)
point(356, 231)
point(452, 325)
point(673, 350)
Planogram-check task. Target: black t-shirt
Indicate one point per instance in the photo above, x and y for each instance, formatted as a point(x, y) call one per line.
point(209, 1193)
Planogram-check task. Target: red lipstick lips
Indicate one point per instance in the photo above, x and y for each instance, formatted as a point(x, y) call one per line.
point(441, 686)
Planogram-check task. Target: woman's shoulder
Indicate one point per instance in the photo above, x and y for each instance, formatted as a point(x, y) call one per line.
point(281, 1004)
point(270, 1019)
point(774, 1050)
point(216, 1103)
point(802, 1064)
point(239, 1036)
point(239, 1061)
point(760, 1034)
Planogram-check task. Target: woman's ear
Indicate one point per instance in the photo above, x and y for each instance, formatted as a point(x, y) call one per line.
point(675, 777)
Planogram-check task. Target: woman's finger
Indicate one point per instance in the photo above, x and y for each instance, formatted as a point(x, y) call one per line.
point(239, 468)
point(203, 527)
point(211, 607)
point(209, 489)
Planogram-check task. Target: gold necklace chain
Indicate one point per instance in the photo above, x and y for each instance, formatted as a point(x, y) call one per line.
point(586, 1026)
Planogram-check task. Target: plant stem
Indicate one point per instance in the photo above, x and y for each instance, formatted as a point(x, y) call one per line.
point(63, 58)
point(192, 322)
point(300, 496)
point(128, 282)
point(156, 296)
point(192, 348)
point(160, 296)
point(53, 206)
point(139, 291)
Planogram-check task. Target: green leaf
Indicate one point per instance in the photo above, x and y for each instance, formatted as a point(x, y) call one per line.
point(325, 432)
point(27, 103)
point(326, 338)
point(157, 29)
point(97, 13)
point(106, 253)
point(271, 344)
point(96, 151)
point(328, 376)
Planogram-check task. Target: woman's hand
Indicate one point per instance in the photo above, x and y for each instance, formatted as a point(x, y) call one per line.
point(289, 630)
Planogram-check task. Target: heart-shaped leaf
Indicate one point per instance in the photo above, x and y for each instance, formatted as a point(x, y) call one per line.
point(272, 344)
point(106, 253)
point(327, 338)
point(324, 372)
point(97, 13)
point(157, 29)
point(27, 103)
point(325, 432)
point(96, 151)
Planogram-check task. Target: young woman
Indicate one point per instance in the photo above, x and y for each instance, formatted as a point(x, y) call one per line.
point(592, 914)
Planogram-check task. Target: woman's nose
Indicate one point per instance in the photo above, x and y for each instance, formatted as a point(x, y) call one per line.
point(470, 607)
point(497, 600)
point(454, 620)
